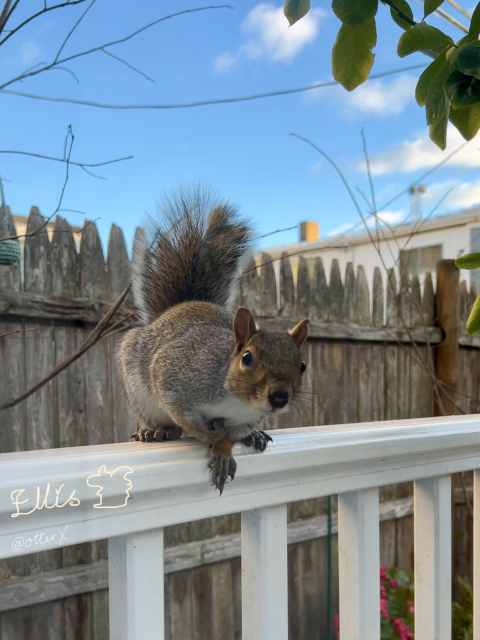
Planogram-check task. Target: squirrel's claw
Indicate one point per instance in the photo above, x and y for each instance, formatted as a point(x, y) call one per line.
point(161, 434)
point(222, 467)
point(258, 440)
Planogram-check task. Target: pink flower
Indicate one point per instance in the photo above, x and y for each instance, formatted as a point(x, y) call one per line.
point(383, 573)
point(410, 608)
point(393, 584)
point(384, 608)
point(402, 630)
point(383, 592)
point(336, 625)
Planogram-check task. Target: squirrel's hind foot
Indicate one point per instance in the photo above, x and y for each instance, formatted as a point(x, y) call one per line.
point(222, 467)
point(258, 440)
point(157, 435)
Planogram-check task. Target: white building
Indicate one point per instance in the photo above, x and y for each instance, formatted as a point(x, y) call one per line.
point(420, 244)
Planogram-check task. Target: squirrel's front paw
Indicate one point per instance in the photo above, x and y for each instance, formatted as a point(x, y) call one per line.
point(222, 465)
point(258, 440)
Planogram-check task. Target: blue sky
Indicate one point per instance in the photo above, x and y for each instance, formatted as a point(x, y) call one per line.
point(244, 150)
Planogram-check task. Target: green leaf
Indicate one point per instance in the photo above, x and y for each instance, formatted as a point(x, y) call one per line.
point(438, 130)
point(468, 59)
point(431, 6)
point(355, 12)
point(468, 261)
point(473, 322)
point(405, 7)
point(454, 52)
point(294, 10)
point(425, 38)
point(426, 78)
point(474, 30)
point(462, 90)
point(436, 97)
point(467, 120)
point(352, 57)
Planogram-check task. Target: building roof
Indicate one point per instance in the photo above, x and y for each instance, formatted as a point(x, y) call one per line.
point(344, 240)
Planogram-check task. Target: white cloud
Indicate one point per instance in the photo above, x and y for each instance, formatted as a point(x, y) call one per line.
point(463, 195)
point(378, 97)
point(386, 217)
point(29, 52)
point(266, 34)
point(341, 229)
point(224, 62)
point(382, 98)
point(422, 153)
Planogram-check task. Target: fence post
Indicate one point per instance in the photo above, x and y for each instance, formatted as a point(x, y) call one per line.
point(447, 362)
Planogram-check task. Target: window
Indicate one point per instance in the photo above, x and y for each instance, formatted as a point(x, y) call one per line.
point(422, 259)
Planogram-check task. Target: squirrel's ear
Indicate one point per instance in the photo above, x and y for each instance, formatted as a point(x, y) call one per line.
point(243, 327)
point(300, 332)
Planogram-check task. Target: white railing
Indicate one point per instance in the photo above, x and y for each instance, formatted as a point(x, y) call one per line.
point(129, 492)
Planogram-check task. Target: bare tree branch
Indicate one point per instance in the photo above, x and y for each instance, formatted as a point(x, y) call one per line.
point(7, 12)
point(69, 3)
point(72, 30)
point(202, 103)
point(87, 52)
point(12, 333)
point(127, 64)
point(460, 9)
point(71, 162)
point(102, 329)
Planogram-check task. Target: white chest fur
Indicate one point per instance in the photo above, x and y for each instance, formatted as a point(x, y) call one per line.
point(233, 410)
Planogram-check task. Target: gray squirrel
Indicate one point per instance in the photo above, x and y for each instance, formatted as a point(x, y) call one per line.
point(195, 366)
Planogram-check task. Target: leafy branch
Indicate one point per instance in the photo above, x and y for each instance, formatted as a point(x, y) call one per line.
point(449, 88)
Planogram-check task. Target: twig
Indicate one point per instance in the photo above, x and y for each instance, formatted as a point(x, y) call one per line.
point(73, 29)
point(6, 13)
point(69, 140)
point(87, 52)
point(202, 103)
point(460, 9)
point(400, 13)
point(76, 164)
point(271, 233)
point(12, 333)
point(127, 64)
point(69, 3)
point(99, 332)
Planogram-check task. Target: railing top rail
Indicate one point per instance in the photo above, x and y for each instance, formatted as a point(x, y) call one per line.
point(73, 495)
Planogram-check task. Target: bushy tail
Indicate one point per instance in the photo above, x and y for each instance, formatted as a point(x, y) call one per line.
point(196, 248)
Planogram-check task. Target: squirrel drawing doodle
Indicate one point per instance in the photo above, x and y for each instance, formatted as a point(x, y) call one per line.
point(196, 366)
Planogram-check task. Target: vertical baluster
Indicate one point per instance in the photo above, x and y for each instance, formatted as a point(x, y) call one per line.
point(433, 558)
point(135, 566)
point(476, 554)
point(359, 564)
point(264, 574)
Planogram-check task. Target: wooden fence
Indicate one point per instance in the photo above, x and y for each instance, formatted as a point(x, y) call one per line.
point(362, 366)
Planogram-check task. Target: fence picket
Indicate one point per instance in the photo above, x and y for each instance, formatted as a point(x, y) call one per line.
point(118, 268)
point(321, 303)
point(362, 298)
point(268, 287)
point(303, 289)
point(428, 301)
point(287, 287)
point(336, 292)
point(378, 298)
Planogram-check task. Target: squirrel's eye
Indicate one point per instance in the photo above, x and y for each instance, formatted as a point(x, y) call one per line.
point(303, 366)
point(247, 359)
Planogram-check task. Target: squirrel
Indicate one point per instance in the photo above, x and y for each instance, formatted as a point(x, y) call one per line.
point(194, 366)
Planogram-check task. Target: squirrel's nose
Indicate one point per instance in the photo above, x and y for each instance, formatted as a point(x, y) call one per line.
point(278, 399)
